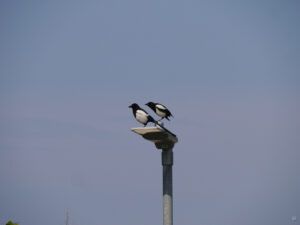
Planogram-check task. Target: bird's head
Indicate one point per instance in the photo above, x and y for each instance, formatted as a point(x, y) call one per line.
point(134, 105)
point(150, 104)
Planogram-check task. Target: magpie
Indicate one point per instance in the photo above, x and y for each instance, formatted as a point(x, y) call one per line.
point(141, 115)
point(160, 110)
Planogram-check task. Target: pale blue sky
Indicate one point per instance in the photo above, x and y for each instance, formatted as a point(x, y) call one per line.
point(228, 70)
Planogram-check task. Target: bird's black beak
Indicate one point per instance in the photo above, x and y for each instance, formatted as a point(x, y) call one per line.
point(130, 106)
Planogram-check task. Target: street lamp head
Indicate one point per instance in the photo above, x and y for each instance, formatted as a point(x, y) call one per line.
point(161, 138)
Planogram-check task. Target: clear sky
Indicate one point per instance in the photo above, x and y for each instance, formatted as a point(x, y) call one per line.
point(228, 71)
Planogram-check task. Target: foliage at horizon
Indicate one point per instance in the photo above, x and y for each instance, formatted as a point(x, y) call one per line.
point(11, 223)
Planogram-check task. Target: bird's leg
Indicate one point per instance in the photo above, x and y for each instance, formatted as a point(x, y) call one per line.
point(144, 125)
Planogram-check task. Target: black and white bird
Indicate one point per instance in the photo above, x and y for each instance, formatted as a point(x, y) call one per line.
point(160, 110)
point(141, 115)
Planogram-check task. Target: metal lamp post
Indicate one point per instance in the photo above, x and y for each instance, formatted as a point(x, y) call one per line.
point(163, 140)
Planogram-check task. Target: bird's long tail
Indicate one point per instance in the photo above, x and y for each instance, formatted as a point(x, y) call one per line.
point(165, 129)
point(150, 118)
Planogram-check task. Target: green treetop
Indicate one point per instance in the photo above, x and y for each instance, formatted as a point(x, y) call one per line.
point(11, 223)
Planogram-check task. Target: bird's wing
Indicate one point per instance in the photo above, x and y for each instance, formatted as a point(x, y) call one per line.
point(143, 110)
point(161, 108)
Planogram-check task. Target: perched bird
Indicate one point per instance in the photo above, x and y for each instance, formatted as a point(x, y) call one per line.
point(160, 110)
point(141, 115)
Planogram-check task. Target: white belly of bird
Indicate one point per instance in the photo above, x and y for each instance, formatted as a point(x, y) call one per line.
point(160, 113)
point(141, 116)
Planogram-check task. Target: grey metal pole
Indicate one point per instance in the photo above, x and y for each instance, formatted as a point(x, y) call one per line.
point(167, 163)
